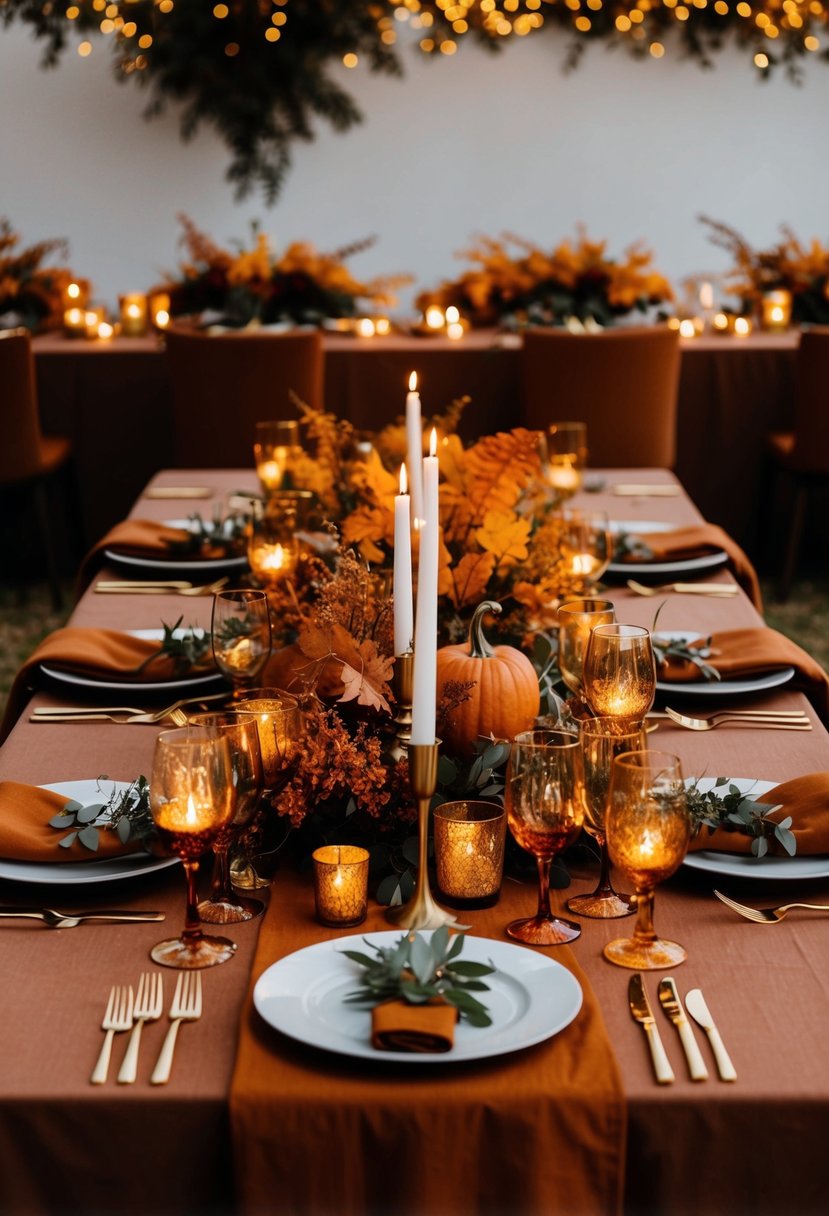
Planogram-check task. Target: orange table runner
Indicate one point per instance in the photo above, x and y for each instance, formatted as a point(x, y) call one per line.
point(540, 1130)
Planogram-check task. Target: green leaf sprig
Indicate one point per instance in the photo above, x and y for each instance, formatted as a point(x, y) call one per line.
point(418, 971)
point(665, 648)
point(126, 812)
point(221, 535)
point(188, 648)
point(735, 811)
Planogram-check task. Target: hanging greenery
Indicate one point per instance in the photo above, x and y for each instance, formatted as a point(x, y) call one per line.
point(261, 72)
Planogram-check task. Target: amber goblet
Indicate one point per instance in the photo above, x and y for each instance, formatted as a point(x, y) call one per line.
point(619, 672)
point(586, 544)
point(576, 620)
point(241, 634)
point(192, 798)
point(602, 740)
point(545, 809)
point(648, 831)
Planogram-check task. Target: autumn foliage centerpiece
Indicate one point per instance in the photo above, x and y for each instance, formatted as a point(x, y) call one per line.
point(513, 281)
point(31, 295)
point(256, 285)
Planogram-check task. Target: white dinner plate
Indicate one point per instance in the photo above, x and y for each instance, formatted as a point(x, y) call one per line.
point(164, 565)
point(530, 998)
point(718, 688)
point(133, 687)
point(690, 565)
point(73, 873)
point(739, 865)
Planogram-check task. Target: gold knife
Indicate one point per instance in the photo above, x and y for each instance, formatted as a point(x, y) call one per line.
point(641, 1010)
point(671, 1003)
point(699, 1012)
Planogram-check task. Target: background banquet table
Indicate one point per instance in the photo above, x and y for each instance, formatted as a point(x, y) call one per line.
point(113, 400)
point(755, 1146)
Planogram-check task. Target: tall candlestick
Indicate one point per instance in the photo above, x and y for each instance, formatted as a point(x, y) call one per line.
point(414, 437)
point(403, 608)
point(424, 696)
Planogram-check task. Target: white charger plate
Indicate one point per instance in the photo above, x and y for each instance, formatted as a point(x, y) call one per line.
point(739, 865)
point(164, 565)
point(718, 688)
point(131, 687)
point(531, 998)
point(74, 873)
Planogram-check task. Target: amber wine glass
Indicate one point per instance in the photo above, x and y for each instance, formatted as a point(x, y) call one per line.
point(241, 633)
point(648, 831)
point(602, 740)
point(586, 544)
point(225, 906)
point(576, 619)
point(619, 672)
point(191, 799)
point(545, 809)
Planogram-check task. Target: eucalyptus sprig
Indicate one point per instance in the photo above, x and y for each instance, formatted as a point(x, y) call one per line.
point(188, 648)
point(665, 648)
point(216, 537)
point(418, 971)
point(125, 812)
point(735, 811)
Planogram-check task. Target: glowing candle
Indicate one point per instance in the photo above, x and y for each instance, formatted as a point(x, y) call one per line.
point(562, 474)
point(706, 296)
point(414, 437)
point(365, 327)
point(403, 608)
point(424, 694)
point(742, 327)
point(133, 308)
point(434, 317)
point(341, 884)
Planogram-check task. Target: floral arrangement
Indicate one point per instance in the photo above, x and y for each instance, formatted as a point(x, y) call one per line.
point(575, 280)
point(253, 284)
point(790, 265)
point(31, 295)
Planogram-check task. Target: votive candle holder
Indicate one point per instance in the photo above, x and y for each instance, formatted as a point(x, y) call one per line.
point(469, 852)
point(341, 884)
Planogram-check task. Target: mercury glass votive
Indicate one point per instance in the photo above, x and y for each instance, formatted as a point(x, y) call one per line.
point(133, 312)
point(341, 884)
point(776, 310)
point(469, 853)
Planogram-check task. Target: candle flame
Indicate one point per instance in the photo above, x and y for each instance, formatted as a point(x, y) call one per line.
point(192, 815)
point(403, 482)
point(413, 382)
point(433, 443)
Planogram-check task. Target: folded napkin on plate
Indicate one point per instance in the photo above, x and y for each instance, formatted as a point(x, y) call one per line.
point(134, 538)
point(806, 799)
point(739, 654)
point(399, 1026)
point(25, 834)
point(681, 544)
point(87, 652)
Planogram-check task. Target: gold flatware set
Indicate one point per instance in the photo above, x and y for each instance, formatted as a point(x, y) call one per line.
point(126, 1011)
point(159, 587)
point(767, 916)
point(671, 1003)
point(70, 920)
point(780, 719)
point(123, 713)
point(716, 589)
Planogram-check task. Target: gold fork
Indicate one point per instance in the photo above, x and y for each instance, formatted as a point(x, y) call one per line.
point(149, 1002)
point(185, 1007)
point(684, 588)
point(177, 716)
point(160, 588)
point(116, 1020)
point(782, 719)
point(52, 711)
point(767, 916)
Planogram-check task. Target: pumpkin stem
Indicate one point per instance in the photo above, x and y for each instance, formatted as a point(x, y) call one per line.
point(479, 647)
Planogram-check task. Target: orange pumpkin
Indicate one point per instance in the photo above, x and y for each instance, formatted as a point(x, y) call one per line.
point(505, 699)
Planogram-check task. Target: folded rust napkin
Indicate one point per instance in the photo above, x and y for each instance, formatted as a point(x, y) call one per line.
point(806, 799)
point(742, 653)
point(399, 1026)
point(134, 538)
point(697, 540)
point(25, 834)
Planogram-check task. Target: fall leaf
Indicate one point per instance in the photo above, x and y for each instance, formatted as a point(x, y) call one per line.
point(505, 535)
point(470, 578)
point(368, 683)
point(498, 467)
point(366, 528)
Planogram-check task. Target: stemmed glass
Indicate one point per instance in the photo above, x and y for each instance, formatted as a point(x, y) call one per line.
point(225, 907)
point(602, 739)
point(563, 451)
point(576, 619)
point(545, 809)
point(586, 544)
point(648, 831)
point(619, 672)
point(276, 446)
point(192, 797)
point(241, 633)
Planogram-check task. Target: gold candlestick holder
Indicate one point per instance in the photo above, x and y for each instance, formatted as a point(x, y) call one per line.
point(402, 681)
point(421, 912)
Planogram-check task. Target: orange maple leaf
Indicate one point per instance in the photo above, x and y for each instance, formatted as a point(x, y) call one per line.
point(470, 578)
point(504, 534)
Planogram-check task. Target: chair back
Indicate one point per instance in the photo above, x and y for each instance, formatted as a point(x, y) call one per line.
point(222, 385)
point(811, 402)
point(20, 435)
point(622, 382)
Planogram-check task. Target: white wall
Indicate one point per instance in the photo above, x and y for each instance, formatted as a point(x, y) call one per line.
point(475, 144)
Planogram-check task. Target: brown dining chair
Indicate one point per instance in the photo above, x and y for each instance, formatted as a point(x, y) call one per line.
point(801, 456)
point(29, 461)
point(223, 384)
point(622, 383)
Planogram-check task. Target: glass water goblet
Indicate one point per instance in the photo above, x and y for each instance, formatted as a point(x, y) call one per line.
point(192, 798)
point(563, 452)
point(241, 633)
point(576, 619)
point(619, 672)
point(586, 544)
point(602, 740)
point(225, 906)
point(276, 446)
point(648, 830)
point(545, 809)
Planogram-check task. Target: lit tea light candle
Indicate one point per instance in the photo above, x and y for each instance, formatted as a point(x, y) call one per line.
point(92, 319)
point(454, 327)
point(341, 884)
point(366, 327)
point(689, 327)
point(382, 326)
point(721, 322)
point(434, 317)
point(777, 310)
point(74, 323)
point(159, 309)
point(104, 331)
point(133, 311)
point(742, 327)
point(272, 562)
point(562, 473)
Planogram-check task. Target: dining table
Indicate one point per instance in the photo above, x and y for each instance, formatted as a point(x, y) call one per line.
point(253, 1121)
